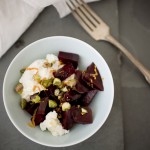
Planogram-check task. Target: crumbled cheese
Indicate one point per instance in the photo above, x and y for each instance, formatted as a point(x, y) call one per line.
point(30, 86)
point(52, 124)
point(51, 58)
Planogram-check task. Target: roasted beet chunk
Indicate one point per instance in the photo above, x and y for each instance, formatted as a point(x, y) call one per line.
point(67, 120)
point(92, 77)
point(82, 115)
point(80, 86)
point(50, 91)
point(71, 96)
point(38, 119)
point(42, 107)
point(43, 94)
point(64, 72)
point(69, 58)
point(41, 111)
point(88, 97)
point(30, 108)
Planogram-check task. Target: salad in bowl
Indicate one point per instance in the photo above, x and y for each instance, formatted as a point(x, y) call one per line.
point(63, 93)
point(57, 94)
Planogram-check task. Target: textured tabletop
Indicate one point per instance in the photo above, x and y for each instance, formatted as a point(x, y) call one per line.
point(135, 34)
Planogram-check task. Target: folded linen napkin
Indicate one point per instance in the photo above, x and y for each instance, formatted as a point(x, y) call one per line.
point(17, 15)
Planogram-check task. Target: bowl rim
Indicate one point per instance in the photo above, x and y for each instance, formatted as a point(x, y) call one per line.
point(96, 128)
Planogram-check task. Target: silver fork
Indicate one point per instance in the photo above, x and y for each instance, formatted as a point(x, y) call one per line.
point(99, 30)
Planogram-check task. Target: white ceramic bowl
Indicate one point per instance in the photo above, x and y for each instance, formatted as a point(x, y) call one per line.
point(101, 105)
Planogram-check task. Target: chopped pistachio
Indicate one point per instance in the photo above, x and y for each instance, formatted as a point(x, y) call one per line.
point(22, 70)
point(36, 99)
point(36, 77)
point(19, 88)
point(61, 85)
point(59, 97)
point(23, 103)
point(83, 111)
point(57, 82)
point(46, 82)
point(64, 89)
point(78, 106)
point(52, 104)
point(66, 106)
point(56, 92)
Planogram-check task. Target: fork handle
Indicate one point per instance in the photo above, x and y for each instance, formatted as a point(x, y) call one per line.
point(134, 60)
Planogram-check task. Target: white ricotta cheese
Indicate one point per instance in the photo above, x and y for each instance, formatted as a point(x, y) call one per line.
point(51, 58)
point(30, 86)
point(52, 124)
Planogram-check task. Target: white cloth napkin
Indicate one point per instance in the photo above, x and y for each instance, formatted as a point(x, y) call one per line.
point(17, 15)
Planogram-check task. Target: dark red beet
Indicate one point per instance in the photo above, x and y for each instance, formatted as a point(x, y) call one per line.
point(43, 94)
point(69, 58)
point(88, 97)
point(41, 111)
point(42, 107)
point(67, 120)
point(30, 108)
point(92, 77)
point(80, 86)
point(64, 72)
point(71, 96)
point(50, 91)
point(38, 119)
point(83, 119)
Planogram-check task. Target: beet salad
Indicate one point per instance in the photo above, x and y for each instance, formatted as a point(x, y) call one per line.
point(57, 94)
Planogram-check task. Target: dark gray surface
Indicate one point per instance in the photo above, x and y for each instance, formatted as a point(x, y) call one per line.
point(135, 34)
point(110, 136)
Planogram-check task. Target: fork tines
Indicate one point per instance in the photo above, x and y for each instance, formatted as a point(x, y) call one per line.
point(83, 13)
